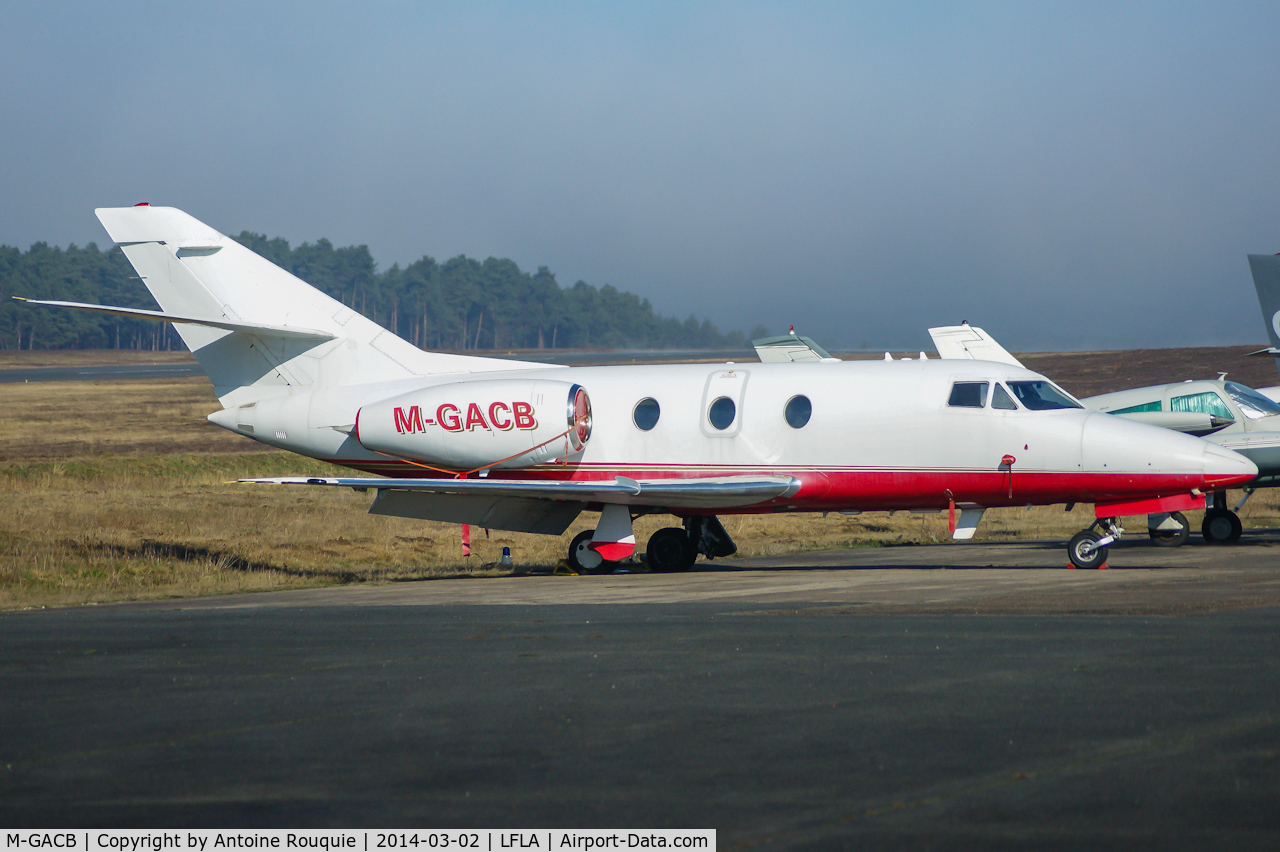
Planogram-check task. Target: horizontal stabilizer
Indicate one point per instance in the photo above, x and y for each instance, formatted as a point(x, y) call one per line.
point(278, 331)
point(959, 342)
point(720, 491)
point(788, 348)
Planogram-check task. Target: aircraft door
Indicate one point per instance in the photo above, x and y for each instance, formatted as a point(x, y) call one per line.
point(722, 403)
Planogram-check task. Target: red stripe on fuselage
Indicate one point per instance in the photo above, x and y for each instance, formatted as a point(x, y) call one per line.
point(880, 489)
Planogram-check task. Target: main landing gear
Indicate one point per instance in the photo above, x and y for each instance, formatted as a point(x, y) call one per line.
point(1221, 525)
point(673, 549)
point(1088, 548)
point(584, 559)
point(670, 550)
point(1168, 529)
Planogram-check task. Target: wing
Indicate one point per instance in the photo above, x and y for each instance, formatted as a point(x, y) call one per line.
point(695, 493)
point(546, 506)
point(964, 341)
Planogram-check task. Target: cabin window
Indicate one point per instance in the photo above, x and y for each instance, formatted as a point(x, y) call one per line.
point(1138, 409)
point(968, 395)
point(646, 414)
point(1042, 395)
point(1252, 404)
point(722, 412)
point(1201, 403)
point(798, 411)
point(1000, 399)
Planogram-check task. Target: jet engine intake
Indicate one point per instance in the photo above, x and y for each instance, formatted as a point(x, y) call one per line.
point(502, 423)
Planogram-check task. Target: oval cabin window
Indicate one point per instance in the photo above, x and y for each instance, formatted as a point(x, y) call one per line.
point(798, 411)
point(646, 414)
point(722, 412)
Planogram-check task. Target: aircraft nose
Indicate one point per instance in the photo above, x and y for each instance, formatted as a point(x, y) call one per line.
point(1224, 468)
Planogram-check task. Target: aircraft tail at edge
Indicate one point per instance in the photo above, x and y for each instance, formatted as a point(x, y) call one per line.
point(1266, 279)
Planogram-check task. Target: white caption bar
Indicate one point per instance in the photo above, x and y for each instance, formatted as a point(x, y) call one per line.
point(362, 840)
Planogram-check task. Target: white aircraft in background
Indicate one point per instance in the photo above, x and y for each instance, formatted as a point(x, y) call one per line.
point(527, 447)
point(1228, 414)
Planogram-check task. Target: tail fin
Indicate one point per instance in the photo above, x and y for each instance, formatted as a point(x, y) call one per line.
point(966, 341)
point(1266, 278)
point(194, 271)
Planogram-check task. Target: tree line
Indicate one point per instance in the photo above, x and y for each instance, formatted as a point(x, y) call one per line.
point(461, 303)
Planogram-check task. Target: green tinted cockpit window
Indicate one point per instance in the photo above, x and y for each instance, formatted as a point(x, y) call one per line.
point(1138, 409)
point(1252, 404)
point(1201, 403)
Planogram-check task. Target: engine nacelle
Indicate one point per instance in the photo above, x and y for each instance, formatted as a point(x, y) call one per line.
point(480, 424)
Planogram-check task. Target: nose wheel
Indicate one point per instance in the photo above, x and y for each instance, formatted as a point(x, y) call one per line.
point(1088, 548)
point(1221, 526)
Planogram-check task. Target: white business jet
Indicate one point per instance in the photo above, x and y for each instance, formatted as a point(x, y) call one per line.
point(528, 447)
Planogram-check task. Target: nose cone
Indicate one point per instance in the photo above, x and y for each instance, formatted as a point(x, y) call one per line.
point(1224, 468)
point(1113, 444)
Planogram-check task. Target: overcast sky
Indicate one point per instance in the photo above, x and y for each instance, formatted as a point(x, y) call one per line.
point(1067, 176)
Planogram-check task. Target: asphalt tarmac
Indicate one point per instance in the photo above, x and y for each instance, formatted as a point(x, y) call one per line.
point(880, 698)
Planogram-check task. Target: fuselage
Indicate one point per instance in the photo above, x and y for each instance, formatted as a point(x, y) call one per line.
point(879, 435)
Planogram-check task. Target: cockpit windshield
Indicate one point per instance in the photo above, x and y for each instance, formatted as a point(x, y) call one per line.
point(1252, 404)
point(1042, 396)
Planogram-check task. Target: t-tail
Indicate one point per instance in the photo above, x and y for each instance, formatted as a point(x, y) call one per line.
point(257, 330)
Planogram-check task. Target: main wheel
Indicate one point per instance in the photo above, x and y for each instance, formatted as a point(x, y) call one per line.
point(1221, 526)
point(1172, 538)
point(583, 558)
point(1082, 552)
point(670, 550)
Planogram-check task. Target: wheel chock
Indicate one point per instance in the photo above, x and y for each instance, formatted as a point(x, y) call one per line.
point(564, 569)
point(1104, 566)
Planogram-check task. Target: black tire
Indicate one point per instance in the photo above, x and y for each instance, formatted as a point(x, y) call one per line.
point(1163, 538)
point(1221, 526)
point(670, 551)
point(1076, 550)
point(584, 559)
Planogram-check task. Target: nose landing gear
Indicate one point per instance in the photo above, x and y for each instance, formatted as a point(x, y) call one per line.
point(1088, 548)
point(1221, 525)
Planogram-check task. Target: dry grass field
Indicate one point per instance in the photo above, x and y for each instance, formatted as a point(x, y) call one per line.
point(120, 491)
